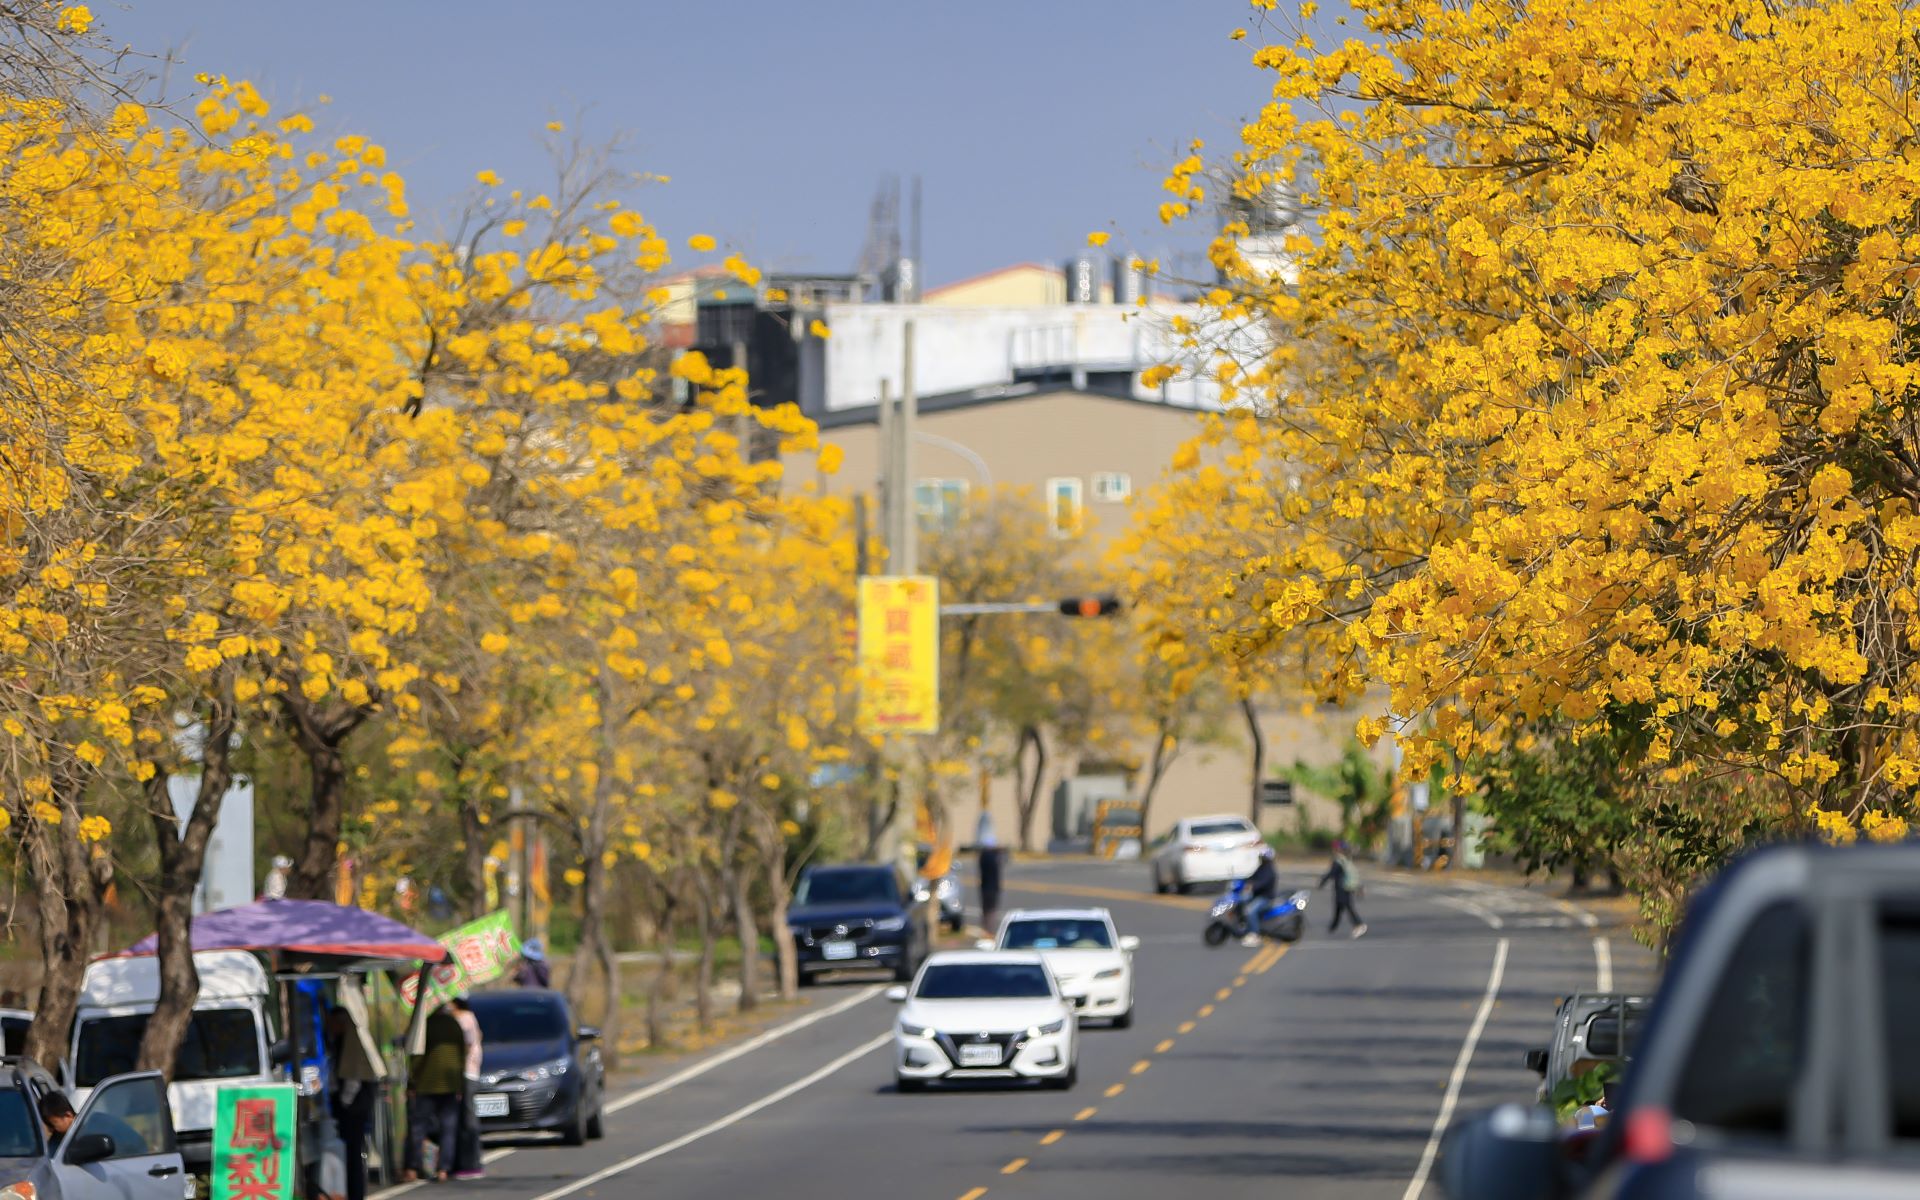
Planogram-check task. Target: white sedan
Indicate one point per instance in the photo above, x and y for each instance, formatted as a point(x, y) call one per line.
point(974, 1014)
point(1091, 963)
point(1202, 850)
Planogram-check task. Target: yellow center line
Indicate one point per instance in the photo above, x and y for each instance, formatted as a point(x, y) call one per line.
point(1163, 1047)
point(975, 1194)
point(1140, 1068)
point(1223, 993)
point(1084, 1113)
point(1240, 981)
point(1115, 1090)
point(1186, 1027)
point(1279, 953)
point(1013, 1166)
point(1053, 1137)
point(1206, 1010)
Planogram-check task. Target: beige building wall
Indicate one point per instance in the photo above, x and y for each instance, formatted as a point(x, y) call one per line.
point(1024, 285)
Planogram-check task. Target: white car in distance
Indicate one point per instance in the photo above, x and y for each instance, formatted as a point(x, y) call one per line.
point(1092, 963)
point(1205, 850)
point(974, 1014)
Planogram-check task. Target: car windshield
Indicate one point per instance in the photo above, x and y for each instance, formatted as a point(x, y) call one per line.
point(984, 981)
point(867, 885)
point(221, 1043)
point(1216, 828)
point(520, 1019)
point(13, 1030)
point(19, 1130)
point(1078, 933)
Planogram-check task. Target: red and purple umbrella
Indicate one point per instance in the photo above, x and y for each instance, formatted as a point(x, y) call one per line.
point(306, 927)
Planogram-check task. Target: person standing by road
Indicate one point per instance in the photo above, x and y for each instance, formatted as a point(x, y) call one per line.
point(533, 971)
point(437, 1084)
point(987, 845)
point(466, 1157)
point(1346, 885)
point(351, 1092)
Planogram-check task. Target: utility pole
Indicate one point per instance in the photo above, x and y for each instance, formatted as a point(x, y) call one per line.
point(900, 524)
point(909, 543)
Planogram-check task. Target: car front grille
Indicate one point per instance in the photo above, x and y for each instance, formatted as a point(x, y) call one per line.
point(1009, 1043)
point(840, 931)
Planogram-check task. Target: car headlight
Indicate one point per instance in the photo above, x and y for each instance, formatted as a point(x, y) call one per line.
point(552, 1070)
point(916, 1031)
point(889, 924)
point(1049, 1028)
point(24, 1190)
point(1109, 973)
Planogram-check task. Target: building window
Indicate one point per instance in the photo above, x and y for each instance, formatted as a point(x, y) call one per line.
point(1111, 487)
point(1065, 504)
point(939, 502)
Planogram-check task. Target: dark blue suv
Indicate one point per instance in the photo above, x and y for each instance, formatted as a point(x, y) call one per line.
point(537, 1070)
point(858, 916)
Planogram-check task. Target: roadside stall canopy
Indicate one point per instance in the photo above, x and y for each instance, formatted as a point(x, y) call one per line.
point(307, 927)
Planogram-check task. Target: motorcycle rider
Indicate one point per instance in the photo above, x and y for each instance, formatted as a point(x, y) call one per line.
point(1261, 886)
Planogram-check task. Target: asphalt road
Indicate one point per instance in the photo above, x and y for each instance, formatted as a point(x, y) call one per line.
point(1325, 1069)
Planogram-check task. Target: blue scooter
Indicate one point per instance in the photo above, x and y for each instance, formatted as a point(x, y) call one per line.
point(1282, 918)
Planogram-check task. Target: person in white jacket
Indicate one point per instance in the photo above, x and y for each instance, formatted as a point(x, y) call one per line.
point(466, 1159)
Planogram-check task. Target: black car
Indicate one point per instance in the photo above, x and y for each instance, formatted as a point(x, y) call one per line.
point(855, 916)
point(538, 1071)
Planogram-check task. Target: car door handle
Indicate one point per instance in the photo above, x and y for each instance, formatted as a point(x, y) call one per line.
point(163, 1170)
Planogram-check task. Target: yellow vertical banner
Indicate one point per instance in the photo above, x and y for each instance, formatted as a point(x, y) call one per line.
point(899, 654)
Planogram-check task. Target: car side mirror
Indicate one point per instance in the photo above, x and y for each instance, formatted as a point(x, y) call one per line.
point(1129, 943)
point(90, 1148)
point(897, 993)
point(1537, 1062)
point(1510, 1153)
point(589, 1033)
point(280, 1053)
point(983, 944)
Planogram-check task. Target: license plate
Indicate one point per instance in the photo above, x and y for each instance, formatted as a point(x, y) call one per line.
point(836, 951)
point(491, 1104)
point(979, 1056)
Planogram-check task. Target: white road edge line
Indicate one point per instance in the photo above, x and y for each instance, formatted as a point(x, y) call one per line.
point(1602, 965)
point(1459, 1075)
point(679, 1077)
point(1492, 918)
point(732, 1118)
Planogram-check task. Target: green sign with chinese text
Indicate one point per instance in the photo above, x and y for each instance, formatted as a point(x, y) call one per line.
point(253, 1142)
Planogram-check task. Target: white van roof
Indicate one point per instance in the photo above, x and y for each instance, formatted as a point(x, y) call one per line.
point(135, 979)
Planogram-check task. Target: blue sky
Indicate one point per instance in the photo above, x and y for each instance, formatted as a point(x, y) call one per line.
point(1030, 121)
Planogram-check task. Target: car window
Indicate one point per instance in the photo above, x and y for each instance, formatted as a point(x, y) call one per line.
point(982, 981)
point(1604, 1040)
point(1057, 934)
point(874, 885)
point(13, 1034)
point(133, 1113)
point(220, 1043)
point(1899, 984)
point(19, 1127)
point(1216, 828)
point(1751, 1042)
point(520, 1019)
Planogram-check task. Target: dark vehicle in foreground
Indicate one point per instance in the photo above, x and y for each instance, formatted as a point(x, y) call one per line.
point(1593, 1036)
point(538, 1071)
point(1779, 1058)
point(121, 1145)
point(854, 916)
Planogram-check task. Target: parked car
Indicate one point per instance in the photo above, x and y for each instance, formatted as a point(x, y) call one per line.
point(977, 1014)
point(857, 915)
point(1777, 1058)
point(1205, 850)
point(1592, 1031)
point(947, 892)
point(539, 1072)
point(121, 1144)
point(229, 1038)
point(1091, 962)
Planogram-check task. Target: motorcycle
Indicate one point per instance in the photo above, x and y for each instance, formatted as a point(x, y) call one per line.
point(1282, 918)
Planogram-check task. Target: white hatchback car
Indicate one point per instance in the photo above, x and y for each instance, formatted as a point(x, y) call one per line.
point(1205, 850)
point(1091, 962)
point(974, 1014)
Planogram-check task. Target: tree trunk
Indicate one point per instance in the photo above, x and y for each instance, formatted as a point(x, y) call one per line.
point(1030, 800)
point(473, 854)
point(1257, 739)
point(595, 946)
point(748, 931)
point(72, 881)
point(320, 735)
point(1156, 771)
point(660, 989)
point(786, 957)
point(183, 855)
point(609, 998)
point(703, 975)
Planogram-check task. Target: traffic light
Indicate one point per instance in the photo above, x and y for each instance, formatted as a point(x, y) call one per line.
point(1090, 606)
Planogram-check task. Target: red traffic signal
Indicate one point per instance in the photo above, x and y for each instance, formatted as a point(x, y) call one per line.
point(1090, 606)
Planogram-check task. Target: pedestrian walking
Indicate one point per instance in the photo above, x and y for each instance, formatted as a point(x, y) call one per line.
point(1346, 885)
point(987, 845)
point(466, 1157)
point(436, 1087)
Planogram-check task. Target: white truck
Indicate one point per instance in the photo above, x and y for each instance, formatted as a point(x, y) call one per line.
point(230, 1040)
